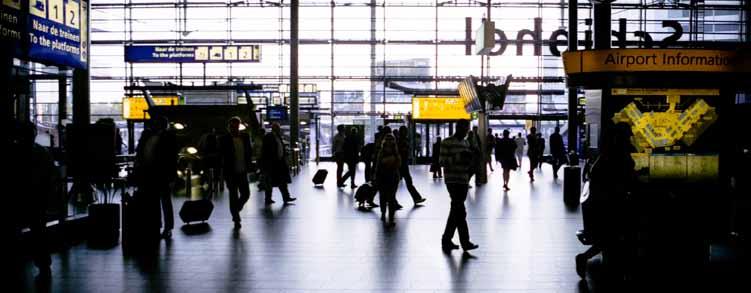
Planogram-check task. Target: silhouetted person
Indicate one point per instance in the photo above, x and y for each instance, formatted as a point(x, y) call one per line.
point(456, 157)
point(212, 160)
point(387, 177)
point(496, 147)
point(508, 160)
point(435, 164)
point(275, 166)
point(473, 138)
point(489, 146)
point(367, 153)
point(612, 177)
point(237, 156)
point(557, 150)
point(520, 143)
point(540, 150)
point(156, 169)
point(338, 148)
point(403, 142)
point(31, 183)
point(532, 142)
point(258, 137)
point(351, 152)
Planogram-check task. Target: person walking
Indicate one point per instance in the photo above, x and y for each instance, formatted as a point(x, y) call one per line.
point(351, 152)
point(275, 166)
point(557, 150)
point(508, 160)
point(155, 169)
point(540, 150)
point(455, 158)
point(520, 143)
point(237, 156)
point(403, 143)
point(338, 151)
point(387, 177)
point(367, 154)
point(489, 146)
point(532, 152)
point(435, 165)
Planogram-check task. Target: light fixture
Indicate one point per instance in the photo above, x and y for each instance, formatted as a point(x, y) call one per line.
point(242, 127)
point(266, 123)
point(303, 123)
point(178, 126)
point(191, 150)
point(179, 173)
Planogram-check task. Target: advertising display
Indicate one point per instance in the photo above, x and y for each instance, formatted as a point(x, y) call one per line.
point(48, 31)
point(672, 137)
point(134, 108)
point(192, 54)
point(438, 108)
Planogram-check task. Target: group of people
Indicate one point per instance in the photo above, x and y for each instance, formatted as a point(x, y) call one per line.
point(230, 156)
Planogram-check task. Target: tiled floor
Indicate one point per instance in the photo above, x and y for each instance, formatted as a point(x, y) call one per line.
point(322, 243)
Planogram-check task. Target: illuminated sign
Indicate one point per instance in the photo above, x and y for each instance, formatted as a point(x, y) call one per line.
point(438, 108)
point(47, 31)
point(192, 54)
point(650, 60)
point(134, 108)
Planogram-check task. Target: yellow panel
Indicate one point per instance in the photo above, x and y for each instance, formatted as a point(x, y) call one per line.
point(438, 108)
point(134, 108)
point(703, 168)
point(667, 167)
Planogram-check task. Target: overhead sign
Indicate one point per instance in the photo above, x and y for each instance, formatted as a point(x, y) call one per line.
point(192, 54)
point(47, 31)
point(134, 108)
point(276, 113)
point(651, 60)
point(438, 108)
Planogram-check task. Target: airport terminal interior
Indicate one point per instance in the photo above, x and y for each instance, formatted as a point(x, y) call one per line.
point(376, 145)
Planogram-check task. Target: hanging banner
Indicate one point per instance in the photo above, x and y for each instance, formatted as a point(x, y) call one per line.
point(58, 32)
point(192, 54)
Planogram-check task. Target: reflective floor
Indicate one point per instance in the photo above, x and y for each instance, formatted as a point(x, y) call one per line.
point(323, 243)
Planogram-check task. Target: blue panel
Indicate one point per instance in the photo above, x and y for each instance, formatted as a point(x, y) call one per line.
point(54, 32)
point(192, 54)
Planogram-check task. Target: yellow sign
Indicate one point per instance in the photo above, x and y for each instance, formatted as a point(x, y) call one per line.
point(438, 108)
point(650, 60)
point(135, 107)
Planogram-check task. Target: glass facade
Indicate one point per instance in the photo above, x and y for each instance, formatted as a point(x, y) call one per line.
point(350, 51)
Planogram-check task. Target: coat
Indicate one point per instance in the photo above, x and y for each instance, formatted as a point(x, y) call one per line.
point(276, 170)
point(227, 148)
point(164, 169)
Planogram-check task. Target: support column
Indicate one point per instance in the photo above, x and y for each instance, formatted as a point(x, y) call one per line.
point(294, 106)
point(573, 101)
point(482, 129)
point(81, 107)
point(602, 25)
point(6, 78)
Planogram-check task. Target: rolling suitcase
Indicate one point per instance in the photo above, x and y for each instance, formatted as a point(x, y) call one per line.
point(196, 210)
point(320, 177)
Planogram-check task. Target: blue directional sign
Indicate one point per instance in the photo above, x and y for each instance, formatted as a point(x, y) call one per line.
point(58, 31)
point(192, 54)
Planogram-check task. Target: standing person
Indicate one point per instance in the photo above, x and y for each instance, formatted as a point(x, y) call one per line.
point(338, 149)
point(540, 150)
point(237, 155)
point(557, 150)
point(209, 148)
point(258, 155)
point(33, 177)
point(435, 164)
point(508, 160)
point(387, 177)
point(497, 141)
point(474, 143)
point(404, 167)
point(351, 152)
point(532, 152)
point(456, 157)
point(275, 166)
point(520, 143)
point(367, 154)
point(156, 169)
point(489, 146)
